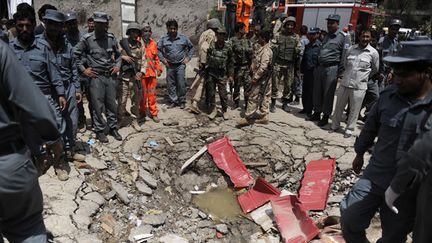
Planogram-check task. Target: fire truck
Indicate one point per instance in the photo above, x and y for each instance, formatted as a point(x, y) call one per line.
point(313, 13)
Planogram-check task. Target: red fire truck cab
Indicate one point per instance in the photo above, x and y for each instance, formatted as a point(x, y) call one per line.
point(314, 13)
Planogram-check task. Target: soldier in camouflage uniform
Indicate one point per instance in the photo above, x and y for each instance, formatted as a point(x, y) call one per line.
point(206, 38)
point(286, 48)
point(258, 107)
point(219, 71)
point(132, 69)
point(242, 53)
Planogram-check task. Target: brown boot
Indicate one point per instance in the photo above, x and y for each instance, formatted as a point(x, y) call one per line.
point(61, 170)
point(194, 107)
point(213, 114)
point(244, 122)
point(136, 126)
point(263, 120)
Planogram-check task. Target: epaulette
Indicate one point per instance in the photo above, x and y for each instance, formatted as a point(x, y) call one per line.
point(111, 35)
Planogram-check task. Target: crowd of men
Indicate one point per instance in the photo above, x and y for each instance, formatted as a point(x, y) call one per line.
point(391, 79)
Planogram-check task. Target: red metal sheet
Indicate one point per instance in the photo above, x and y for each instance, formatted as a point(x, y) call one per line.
point(227, 159)
point(316, 182)
point(293, 223)
point(260, 194)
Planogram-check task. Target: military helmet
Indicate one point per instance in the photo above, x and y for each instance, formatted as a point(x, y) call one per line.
point(396, 22)
point(221, 30)
point(290, 19)
point(133, 26)
point(213, 23)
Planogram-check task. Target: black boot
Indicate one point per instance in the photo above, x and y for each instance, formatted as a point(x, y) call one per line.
point(323, 121)
point(285, 106)
point(314, 117)
point(273, 106)
point(246, 103)
point(235, 105)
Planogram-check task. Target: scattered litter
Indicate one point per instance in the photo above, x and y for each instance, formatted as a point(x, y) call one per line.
point(196, 188)
point(136, 156)
point(91, 141)
point(209, 139)
point(169, 141)
point(193, 158)
point(170, 123)
point(227, 159)
point(197, 192)
point(292, 220)
point(153, 143)
point(143, 237)
point(315, 186)
point(261, 193)
point(153, 211)
point(257, 164)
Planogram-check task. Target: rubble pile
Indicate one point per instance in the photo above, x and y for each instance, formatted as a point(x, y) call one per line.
point(133, 190)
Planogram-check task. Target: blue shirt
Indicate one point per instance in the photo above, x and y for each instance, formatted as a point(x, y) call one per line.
point(310, 56)
point(174, 50)
point(40, 62)
point(396, 121)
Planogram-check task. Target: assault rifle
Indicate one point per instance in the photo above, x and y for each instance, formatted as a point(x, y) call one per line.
point(124, 43)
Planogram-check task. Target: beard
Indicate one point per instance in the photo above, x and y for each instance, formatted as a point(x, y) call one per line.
point(26, 37)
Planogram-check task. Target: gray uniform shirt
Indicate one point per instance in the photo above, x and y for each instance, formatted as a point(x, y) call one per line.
point(40, 63)
point(174, 50)
point(360, 64)
point(332, 50)
point(396, 121)
point(22, 102)
point(101, 54)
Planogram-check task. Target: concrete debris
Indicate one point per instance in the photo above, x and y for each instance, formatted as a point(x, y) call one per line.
point(120, 192)
point(96, 163)
point(171, 238)
point(143, 188)
point(140, 233)
point(154, 219)
point(168, 140)
point(108, 223)
point(223, 228)
point(193, 158)
point(148, 178)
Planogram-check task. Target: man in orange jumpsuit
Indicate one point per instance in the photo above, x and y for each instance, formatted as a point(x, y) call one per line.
point(243, 13)
point(149, 79)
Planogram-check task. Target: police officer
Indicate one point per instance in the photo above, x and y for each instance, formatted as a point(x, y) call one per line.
point(99, 49)
point(330, 68)
point(387, 45)
point(175, 51)
point(286, 54)
point(132, 69)
point(22, 104)
point(308, 64)
point(68, 72)
point(206, 38)
point(73, 35)
point(219, 71)
point(396, 120)
point(242, 57)
point(38, 57)
point(259, 99)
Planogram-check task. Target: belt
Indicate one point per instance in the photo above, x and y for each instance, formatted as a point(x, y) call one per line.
point(11, 147)
point(330, 64)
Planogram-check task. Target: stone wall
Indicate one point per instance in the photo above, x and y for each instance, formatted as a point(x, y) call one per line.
point(190, 14)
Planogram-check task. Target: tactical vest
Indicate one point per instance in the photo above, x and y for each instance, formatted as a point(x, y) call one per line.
point(217, 58)
point(242, 51)
point(286, 48)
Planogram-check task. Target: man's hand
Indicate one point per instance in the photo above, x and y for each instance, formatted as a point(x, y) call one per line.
point(127, 59)
point(78, 97)
point(357, 163)
point(254, 81)
point(90, 73)
point(56, 149)
point(114, 70)
point(186, 60)
point(62, 102)
point(390, 198)
point(138, 75)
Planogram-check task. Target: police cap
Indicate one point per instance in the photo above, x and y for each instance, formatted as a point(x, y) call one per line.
point(70, 16)
point(334, 17)
point(54, 15)
point(133, 26)
point(213, 23)
point(313, 30)
point(100, 17)
point(396, 22)
point(411, 51)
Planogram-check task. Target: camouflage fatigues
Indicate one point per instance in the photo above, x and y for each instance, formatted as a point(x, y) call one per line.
point(242, 56)
point(286, 49)
point(127, 87)
point(206, 38)
point(262, 60)
point(219, 67)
